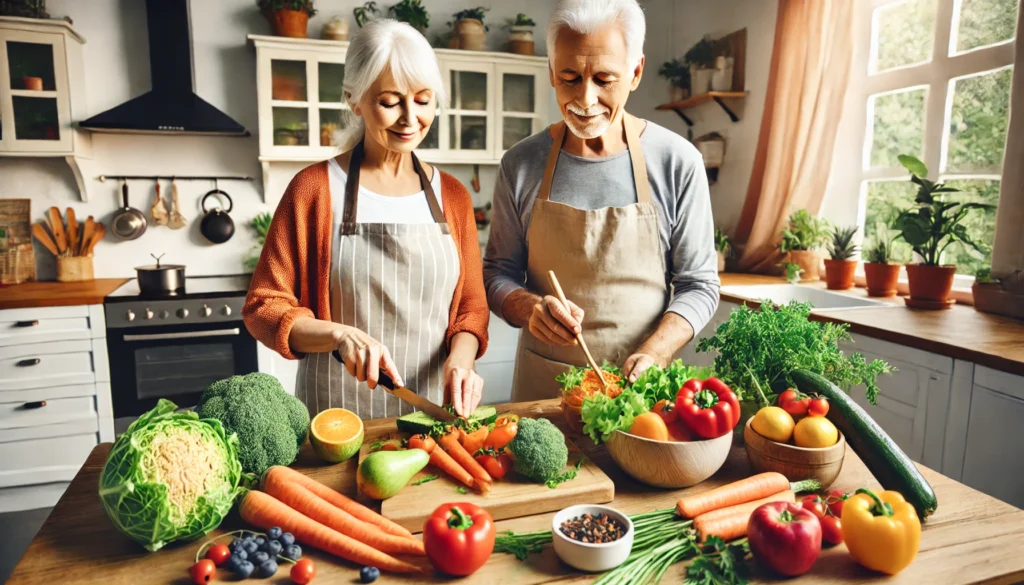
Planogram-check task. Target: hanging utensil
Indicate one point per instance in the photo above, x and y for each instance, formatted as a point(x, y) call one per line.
point(579, 336)
point(44, 237)
point(176, 221)
point(60, 237)
point(217, 226)
point(158, 211)
point(128, 223)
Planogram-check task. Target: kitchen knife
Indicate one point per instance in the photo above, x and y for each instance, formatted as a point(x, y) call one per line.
point(406, 395)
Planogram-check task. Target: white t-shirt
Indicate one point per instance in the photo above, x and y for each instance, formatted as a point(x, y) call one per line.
point(376, 208)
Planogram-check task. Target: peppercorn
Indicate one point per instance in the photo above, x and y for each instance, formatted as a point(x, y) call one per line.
point(595, 529)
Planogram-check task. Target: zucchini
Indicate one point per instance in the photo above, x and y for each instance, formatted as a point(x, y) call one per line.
point(420, 422)
point(883, 458)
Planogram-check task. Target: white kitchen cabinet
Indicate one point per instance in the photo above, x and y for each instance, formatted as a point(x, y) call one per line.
point(42, 91)
point(271, 362)
point(689, 353)
point(498, 364)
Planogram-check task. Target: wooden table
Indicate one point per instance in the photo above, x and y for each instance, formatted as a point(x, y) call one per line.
point(972, 538)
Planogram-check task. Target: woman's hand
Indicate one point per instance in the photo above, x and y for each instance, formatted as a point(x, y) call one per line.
point(364, 356)
point(552, 324)
point(464, 385)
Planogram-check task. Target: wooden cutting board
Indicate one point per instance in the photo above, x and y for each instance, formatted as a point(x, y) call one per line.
point(512, 497)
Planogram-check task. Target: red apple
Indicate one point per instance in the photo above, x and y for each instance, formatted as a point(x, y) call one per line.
point(785, 537)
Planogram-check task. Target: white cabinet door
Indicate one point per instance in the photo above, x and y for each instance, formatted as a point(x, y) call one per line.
point(521, 104)
point(498, 364)
point(271, 362)
point(992, 459)
point(37, 120)
point(689, 353)
point(467, 129)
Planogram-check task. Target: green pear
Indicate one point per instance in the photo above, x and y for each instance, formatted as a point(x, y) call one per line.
point(384, 473)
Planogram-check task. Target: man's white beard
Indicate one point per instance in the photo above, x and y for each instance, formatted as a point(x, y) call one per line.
point(599, 123)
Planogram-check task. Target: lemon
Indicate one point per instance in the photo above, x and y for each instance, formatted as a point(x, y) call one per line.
point(774, 424)
point(815, 432)
point(336, 434)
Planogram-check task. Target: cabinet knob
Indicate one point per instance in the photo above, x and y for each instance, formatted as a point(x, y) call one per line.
point(130, 315)
point(207, 311)
point(28, 362)
point(182, 313)
point(165, 314)
point(32, 323)
point(148, 314)
point(225, 310)
point(34, 405)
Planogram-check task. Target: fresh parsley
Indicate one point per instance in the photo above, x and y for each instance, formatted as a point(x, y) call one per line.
point(461, 490)
point(566, 475)
point(424, 479)
point(720, 564)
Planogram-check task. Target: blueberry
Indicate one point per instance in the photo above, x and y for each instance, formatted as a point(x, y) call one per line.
point(293, 552)
point(242, 555)
point(233, 562)
point(260, 540)
point(250, 546)
point(267, 569)
point(369, 574)
point(259, 558)
point(236, 545)
point(274, 533)
point(244, 569)
point(287, 539)
point(273, 548)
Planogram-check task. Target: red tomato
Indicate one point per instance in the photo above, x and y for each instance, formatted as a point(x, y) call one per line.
point(784, 537)
point(203, 572)
point(815, 505)
point(831, 530)
point(218, 553)
point(794, 403)
point(835, 501)
point(496, 465)
point(817, 406)
point(459, 538)
point(501, 436)
point(666, 409)
point(303, 571)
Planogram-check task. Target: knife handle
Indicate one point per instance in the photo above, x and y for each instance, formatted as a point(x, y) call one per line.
point(382, 378)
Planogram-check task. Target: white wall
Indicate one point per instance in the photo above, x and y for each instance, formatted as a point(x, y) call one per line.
point(117, 69)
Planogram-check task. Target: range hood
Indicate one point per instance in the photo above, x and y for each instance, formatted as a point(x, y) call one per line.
point(171, 106)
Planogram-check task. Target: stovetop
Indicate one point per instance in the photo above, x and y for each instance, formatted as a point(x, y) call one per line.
point(213, 299)
point(195, 287)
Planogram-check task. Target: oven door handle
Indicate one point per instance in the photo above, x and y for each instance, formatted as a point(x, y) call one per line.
point(183, 335)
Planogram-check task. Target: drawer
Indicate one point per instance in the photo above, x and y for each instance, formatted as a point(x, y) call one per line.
point(19, 326)
point(44, 460)
point(48, 393)
point(79, 426)
point(32, 497)
point(54, 411)
point(46, 364)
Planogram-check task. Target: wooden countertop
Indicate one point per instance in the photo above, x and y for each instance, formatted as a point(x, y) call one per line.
point(972, 538)
point(960, 332)
point(58, 294)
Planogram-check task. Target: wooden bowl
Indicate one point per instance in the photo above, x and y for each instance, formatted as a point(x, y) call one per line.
point(796, 463)
point(669, 464)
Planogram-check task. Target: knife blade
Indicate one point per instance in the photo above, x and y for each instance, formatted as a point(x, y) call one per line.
point(406, 395)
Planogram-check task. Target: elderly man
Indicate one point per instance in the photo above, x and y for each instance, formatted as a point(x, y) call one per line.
point(617, 207)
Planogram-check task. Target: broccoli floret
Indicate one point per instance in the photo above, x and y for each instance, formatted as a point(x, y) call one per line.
point(540, 449)
point(270, 423)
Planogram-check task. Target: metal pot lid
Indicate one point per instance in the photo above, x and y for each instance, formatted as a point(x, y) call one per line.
point(161, 267)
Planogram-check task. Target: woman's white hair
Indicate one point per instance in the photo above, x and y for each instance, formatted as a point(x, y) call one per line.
point(387, 44)
point(588, 16)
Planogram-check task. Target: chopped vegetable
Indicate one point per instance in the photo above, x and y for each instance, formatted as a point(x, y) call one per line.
point(539, 449)
point(882, 531)
point(742, 491)
point(565, 476)
point(424, 479)
point(452, 446)
point(474, 441)
point(579, 383)
point(420, 422)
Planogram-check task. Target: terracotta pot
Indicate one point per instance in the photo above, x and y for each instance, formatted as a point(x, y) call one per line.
point(809, 261)
point(290, 23)
point(471, 33)
point(32, 83)
point(520, 40)
point(839, 273)
point(930, 283)
point(882, 278)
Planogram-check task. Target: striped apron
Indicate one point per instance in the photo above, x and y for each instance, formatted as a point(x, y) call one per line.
point(395, 282)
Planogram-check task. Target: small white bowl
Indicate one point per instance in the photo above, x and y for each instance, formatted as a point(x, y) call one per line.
point(586, 556)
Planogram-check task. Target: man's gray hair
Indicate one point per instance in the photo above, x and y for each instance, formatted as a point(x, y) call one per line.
point(589, 16)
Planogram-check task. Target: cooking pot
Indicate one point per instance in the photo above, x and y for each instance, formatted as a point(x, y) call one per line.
point(217, 226)
point(157, 279)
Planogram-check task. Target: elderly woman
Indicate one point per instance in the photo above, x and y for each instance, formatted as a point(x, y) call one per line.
point(375, 254)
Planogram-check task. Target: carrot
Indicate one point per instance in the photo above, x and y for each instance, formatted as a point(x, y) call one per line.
point(443, 461)
point(264, 511)
point(729, 523)
point(451, 444)
point(422, 442)
point(303, 501)
point(737, 492)
point(338, 500)
point(473, 441)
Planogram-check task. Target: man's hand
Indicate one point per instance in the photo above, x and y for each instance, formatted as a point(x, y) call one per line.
point(551, 323)
point(672, 333)
point(637, 364)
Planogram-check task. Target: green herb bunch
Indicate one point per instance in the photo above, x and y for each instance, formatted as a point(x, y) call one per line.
point(804, 232)
point(520, 20)
point(841, 246)
point(765, 345)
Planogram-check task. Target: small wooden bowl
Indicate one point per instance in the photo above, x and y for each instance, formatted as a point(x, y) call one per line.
point(669, 464)
point(796, 463)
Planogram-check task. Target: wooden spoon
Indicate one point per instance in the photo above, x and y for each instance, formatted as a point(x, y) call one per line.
point(98, 234)
point(57, 225)
point(579, 336)
point(87, 232)
point(39, 231)
point(72, 231)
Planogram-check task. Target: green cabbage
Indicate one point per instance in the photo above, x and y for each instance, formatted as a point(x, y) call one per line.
point(170, 476)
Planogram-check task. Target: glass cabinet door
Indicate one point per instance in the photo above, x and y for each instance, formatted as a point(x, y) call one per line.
point(331, 102)
point(289, 97)
point(305, 114)
point(519, 106)
point(469, 129)
point(36, 116)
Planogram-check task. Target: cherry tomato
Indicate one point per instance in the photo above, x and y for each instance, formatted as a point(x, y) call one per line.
point(666, 409)
point(793, 402)
point(817, 406)
point(496, 465)
point(501, 436)
point(831, 530)
point(218, 553)
point(303, 571)
point(835, 501)
point(203, 572)
point(815, 505)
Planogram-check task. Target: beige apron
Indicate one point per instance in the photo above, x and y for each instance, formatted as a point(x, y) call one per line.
point(395, 282)
point(609, 262)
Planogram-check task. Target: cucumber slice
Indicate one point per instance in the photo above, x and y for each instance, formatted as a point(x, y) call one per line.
point(421, 422)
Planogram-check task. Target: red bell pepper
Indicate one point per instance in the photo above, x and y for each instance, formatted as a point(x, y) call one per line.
point(708, 407)
point(458, 538)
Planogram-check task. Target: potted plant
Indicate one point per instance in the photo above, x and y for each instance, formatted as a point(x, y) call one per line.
point(840, 267)
point(470, 28)
point(930, 227)
point(24, 8)
point(879, 270)
point(678, 75)
point(723, 245)
point(365, 13)
point(288, 18)
point(261, 225)
point(701, 61)
point(520, 34)
point(801, 240)
point(412, 12)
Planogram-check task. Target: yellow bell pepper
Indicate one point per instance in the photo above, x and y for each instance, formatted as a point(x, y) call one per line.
point(881, 531)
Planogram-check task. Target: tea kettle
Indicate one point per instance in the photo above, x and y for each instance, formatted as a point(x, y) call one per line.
point(217, 226)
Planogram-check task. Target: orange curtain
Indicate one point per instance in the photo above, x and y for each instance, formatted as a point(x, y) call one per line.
point(806, 86)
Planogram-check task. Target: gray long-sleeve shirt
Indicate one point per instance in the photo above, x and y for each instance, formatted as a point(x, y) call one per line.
point(679, 187)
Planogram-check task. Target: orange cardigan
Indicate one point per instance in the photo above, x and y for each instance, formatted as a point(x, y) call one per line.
point(292, 278)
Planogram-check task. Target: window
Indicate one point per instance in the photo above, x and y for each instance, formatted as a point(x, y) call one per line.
point(933, 80)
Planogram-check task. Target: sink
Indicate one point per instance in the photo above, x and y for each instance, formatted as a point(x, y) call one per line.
point(784, 293)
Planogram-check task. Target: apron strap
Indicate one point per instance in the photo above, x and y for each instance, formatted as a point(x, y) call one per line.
point(352, 186)
point(636, 158)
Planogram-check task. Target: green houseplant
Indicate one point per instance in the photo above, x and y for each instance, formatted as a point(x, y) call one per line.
point(412, 12)
point(723, 245)
point(520, 34)
point(261, 225)
point(470, 29)
point(879, 270)
point(930, 227)
point(678, 75)
point(840, 267)
point(801, 238)
point(365, 13)
point(700, 59)
point(288, 18)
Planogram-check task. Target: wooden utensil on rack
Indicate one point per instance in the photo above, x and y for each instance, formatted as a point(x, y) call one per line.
point(579, 336)
point(44, 237)
point(57, 227)
point(72, 231)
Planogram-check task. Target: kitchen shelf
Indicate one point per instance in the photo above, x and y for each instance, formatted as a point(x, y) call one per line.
point(692, 102)
point(34, 93)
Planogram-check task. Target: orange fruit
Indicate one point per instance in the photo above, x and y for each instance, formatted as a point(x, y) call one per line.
point(336, 434)
point(650, 425)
